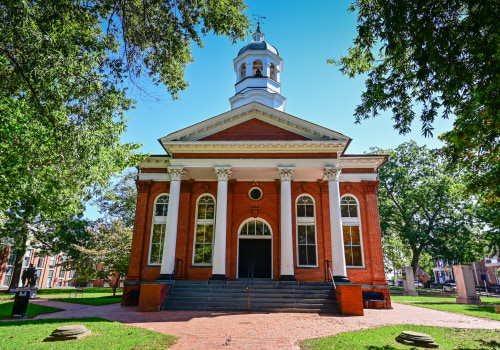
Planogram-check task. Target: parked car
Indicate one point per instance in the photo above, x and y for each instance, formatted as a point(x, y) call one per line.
point(436, 285)
point(450, 286)
point(418, 284)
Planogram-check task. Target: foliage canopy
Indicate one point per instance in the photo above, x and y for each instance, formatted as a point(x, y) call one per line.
point(436, 58)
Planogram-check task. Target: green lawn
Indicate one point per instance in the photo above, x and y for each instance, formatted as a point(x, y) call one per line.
point(32, 311)
point(64, 293)
point(105, 334)
point(383, 338)
point(91, 301)
point(448, 304)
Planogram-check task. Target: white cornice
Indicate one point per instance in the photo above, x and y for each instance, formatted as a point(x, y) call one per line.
point(155, 162)
point(259, 111)
point(254, 146)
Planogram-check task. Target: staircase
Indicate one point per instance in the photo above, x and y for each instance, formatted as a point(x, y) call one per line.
point(266, 296)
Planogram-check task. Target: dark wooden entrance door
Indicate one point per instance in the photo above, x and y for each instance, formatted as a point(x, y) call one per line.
point(257, 251)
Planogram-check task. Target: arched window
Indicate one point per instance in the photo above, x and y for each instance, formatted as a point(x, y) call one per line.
point(257, 68)
point(243, 71)
point(205, 219)
point(158, 230)
point(255, 227)
point(272, 71)
point(351, 227)
point(306, 232)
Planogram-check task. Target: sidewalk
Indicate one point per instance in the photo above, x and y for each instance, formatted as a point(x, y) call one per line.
point(223, 330)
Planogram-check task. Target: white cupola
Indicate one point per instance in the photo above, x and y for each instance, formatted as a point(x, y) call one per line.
point(258, 68)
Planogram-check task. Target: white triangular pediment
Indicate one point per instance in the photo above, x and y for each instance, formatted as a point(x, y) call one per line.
point(255, 110)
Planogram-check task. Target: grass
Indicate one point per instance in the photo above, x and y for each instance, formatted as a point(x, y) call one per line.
point(32, 310)
point(448, 304)
point(91, 301)
point(60, 293)
point(383, 338)
point(112, 335)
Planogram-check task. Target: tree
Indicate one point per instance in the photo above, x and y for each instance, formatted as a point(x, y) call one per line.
point(396, 254)
point(120, 200)
point(436, 58)
point(63, 72)
point(106, 255)
point(427, 207)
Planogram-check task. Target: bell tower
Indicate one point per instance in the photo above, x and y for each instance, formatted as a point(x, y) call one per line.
point(258, 67)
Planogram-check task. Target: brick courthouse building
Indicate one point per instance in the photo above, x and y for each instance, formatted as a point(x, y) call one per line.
point(257, 187)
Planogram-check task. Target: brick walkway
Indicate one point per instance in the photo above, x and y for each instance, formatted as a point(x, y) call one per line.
point(210, 330)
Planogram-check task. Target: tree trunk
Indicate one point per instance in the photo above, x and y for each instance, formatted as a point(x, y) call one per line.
point(18, 263)
point(414, 262)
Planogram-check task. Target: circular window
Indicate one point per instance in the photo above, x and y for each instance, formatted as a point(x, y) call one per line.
point(255, 193)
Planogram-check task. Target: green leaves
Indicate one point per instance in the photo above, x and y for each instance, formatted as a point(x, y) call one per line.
point(426, 206)
point(436, 59)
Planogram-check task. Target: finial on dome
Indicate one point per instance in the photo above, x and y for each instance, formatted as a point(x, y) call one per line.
point(258, 35)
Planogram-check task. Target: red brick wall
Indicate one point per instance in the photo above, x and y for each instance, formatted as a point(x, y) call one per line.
point(240, 208)
point(254, 130)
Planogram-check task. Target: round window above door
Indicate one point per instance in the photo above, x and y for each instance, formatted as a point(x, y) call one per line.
point(255, 193)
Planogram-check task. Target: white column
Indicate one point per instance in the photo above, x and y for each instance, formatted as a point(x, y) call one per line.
point(286, 271)
point(219, 256)
point(168, 257)
point(338, 258)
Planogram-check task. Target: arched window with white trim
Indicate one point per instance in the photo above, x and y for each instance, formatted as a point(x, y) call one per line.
point(243, 71)
point(272, 72)
point(204, 230)
point(351, 228)
point(257, 68)
point(158, 230)
point(306, 232)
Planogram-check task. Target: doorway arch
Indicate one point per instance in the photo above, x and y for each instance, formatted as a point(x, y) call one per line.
point(255, 246)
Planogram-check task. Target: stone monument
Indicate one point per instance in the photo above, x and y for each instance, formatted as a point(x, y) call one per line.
point(466, 288)
point(408, 282)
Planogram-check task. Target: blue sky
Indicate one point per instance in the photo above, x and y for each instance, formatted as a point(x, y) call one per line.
point(305, 37)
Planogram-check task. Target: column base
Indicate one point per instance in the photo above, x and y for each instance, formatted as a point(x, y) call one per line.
point(164, 277)
point(218, 278)
point(341, 279)
point(287, 278)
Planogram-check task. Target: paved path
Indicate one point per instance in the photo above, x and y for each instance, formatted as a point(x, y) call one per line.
point(223, 330)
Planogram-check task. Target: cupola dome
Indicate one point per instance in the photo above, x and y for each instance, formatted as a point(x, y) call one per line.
point(258, 67)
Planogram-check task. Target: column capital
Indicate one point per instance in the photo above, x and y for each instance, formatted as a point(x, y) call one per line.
point(222, 173)
point(175, 173)
point(285, 174)
point(333, 174)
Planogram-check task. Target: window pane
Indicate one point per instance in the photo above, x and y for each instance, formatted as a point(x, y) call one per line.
point(158, 233)
point(355, 235)
point(244, 229)
point(200, 233)
point(344, 211)
point(267, 230)
point(310, 235)
point(356, 256)
point(202, 209)
point(353, 212)
point(311, 255)
point(302, 255)
point(210, 211)
point(198, 254)
point(209, 230)
point(346, 230)
point(259, 230)
point(207, 254)
point(155, 254)
point(301, 233)
point(301, 211)
point(251, 228)
point(310, 211)
point(348, 256)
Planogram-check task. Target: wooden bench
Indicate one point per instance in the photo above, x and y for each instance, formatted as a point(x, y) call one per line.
point(133, 296)
point(76, 292)
point(375, 297)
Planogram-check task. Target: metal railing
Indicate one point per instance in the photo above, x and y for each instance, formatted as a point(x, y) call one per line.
point(249, 287)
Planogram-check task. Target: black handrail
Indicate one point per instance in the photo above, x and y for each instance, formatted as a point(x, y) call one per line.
point(250, 281)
